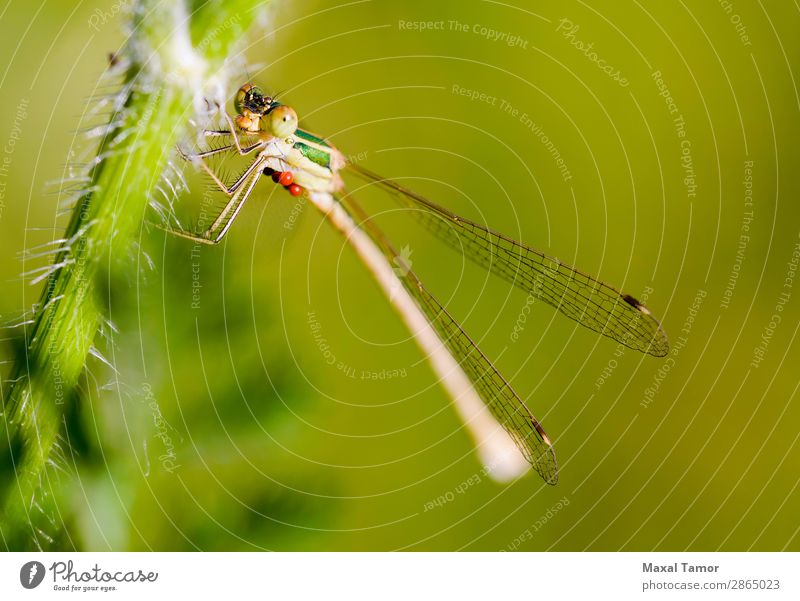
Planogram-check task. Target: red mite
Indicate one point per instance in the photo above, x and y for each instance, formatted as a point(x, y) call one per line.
point(285, 179)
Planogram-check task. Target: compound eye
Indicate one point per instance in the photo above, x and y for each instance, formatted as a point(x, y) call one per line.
point(241, 97)
point(282, 121)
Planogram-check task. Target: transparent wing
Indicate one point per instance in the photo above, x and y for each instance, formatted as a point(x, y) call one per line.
point(504, 404)
point(588, 301)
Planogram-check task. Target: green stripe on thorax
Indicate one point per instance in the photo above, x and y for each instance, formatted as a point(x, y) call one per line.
point(313, 148)
point(309, 137)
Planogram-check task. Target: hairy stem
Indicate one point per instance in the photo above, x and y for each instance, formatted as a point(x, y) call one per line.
point(175, 57)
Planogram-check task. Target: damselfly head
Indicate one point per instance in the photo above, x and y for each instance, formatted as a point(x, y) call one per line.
point(251, 102)
point(280, 121)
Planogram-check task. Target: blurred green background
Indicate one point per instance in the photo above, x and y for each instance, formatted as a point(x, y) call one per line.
point(268, 396)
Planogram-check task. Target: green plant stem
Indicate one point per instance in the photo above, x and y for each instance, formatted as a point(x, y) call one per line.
point(170, 59)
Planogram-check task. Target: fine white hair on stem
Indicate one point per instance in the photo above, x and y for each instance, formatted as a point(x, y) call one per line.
point(498, 452)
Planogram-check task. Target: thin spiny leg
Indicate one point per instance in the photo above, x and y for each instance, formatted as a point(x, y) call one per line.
point(222, 133)
point(220, 227)
point(232, 128)
point(256, 167)
point(236, 210)
point(212, 151)
point(205, 153)
point(227, 190)
point(213, 133)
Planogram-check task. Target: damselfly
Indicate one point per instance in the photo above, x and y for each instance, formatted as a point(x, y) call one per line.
point(307, 164)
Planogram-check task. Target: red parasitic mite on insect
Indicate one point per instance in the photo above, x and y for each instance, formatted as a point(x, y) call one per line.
point(285, 179)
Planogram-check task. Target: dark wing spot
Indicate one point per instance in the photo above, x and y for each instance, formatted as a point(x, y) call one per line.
point(632, 301)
